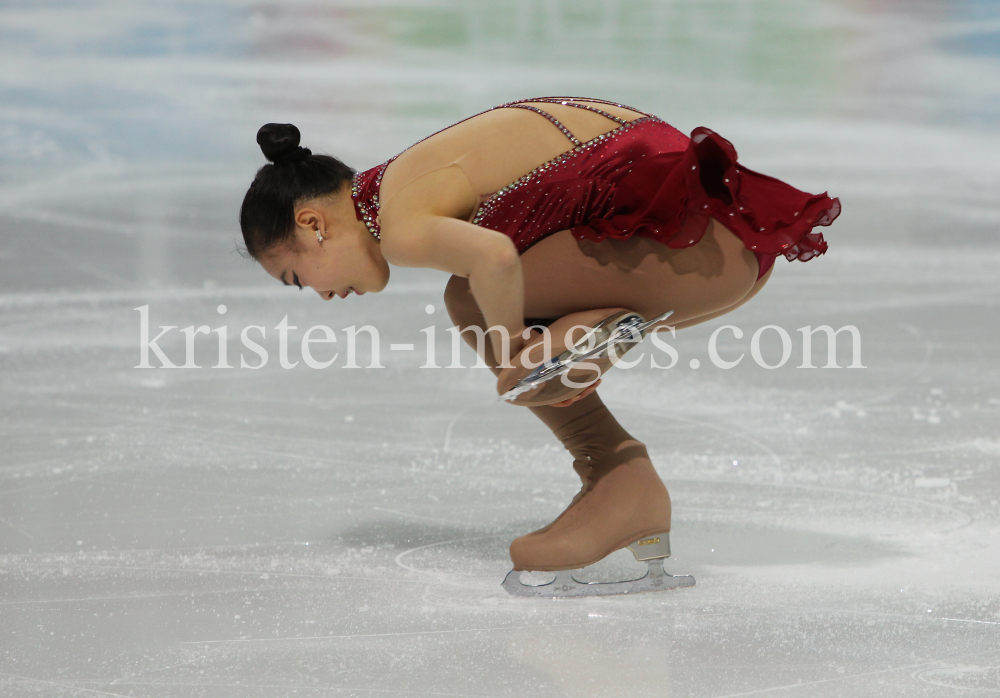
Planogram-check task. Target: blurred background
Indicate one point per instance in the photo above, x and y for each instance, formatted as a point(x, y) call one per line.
point(128, 128)
point(294, 532)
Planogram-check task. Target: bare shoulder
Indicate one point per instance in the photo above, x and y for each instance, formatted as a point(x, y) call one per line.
point(414, 217)
point(441, 191)
point(432, 171)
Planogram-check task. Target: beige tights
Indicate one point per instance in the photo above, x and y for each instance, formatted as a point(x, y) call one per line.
point(622, 498)
point(563, 275)
point(585, 428)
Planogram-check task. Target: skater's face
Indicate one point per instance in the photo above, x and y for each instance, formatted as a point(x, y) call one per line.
point(346, 261)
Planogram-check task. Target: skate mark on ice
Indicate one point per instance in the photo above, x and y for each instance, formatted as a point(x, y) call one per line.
point(87, 269)
point(159, 423)
point(450, 631)
point(964, 518)
point(862, 613)
point(969, 678)
point(435, 575)
point(19, 530)
point(907, 381)
point(960, 518)
point(63, 684)
point(848, 677)
point(204, 572)
point(408, 515)
point(308, 688)
point(739, 543)
point(591, 622)
point(971, 620)
point(973, 444)
point(728, 431)
point(48, 485)
point(66, 464)
point(36, 323)
point(226, 547)
point(447, 432)
point(72, 686)
point(140, 597)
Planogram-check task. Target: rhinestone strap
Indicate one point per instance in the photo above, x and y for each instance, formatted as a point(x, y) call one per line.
point(368, 210)
point(585, 100)
point(559, 125)
point(590, 108)
point(490, 204)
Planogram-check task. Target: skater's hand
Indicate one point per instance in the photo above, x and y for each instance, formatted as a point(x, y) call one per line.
point(587, 391)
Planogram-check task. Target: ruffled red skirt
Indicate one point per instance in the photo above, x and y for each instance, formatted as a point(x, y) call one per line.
point(670, 197)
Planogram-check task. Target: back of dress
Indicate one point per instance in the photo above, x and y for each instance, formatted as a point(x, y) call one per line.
point(642, 178)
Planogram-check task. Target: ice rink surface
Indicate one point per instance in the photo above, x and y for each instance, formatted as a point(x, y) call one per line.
point(343, 532)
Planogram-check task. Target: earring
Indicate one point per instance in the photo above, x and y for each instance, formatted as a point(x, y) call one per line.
point(319, 236)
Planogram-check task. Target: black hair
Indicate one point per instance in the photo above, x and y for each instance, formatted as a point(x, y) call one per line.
point(294, 174)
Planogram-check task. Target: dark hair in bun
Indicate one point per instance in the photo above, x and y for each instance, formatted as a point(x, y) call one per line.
point(294, 174)
point(280, 143)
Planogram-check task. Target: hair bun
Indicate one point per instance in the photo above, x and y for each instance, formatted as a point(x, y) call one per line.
point(280, 143)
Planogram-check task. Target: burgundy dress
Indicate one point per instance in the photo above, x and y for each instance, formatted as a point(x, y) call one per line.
point(643, 178)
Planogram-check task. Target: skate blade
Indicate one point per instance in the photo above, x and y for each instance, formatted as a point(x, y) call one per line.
point(626, 329)
point(565, 586)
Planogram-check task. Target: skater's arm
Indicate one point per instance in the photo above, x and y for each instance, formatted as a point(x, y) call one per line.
point(488, 259)
point(422, 234)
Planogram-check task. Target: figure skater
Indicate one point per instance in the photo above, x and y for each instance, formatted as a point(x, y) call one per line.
point(551, 211)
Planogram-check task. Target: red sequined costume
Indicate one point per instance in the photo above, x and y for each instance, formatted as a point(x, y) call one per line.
point(643, 178)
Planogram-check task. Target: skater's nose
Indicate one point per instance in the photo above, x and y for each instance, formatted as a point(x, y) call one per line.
point(326, 295)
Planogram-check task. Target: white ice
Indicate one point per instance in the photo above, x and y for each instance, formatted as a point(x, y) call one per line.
point(344, 532)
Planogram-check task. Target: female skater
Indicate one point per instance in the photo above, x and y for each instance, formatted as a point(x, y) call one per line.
point(560, 210)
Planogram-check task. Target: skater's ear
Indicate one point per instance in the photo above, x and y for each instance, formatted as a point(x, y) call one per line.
point(310, 219)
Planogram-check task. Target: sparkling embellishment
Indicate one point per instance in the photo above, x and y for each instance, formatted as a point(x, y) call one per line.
point(365, 189)
point(588, 108)
point(369, 210)
point(566, 132)
point(492, 202)
point(586, 100)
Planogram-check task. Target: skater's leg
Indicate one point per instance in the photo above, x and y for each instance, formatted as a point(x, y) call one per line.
point(711, 316)
point(621, 501)
point(563, 275)
point(586, 428)
point(578, 280)
point(622, 498)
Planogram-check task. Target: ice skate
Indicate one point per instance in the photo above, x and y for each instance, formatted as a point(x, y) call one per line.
point(621, 505)
point(578, 363)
